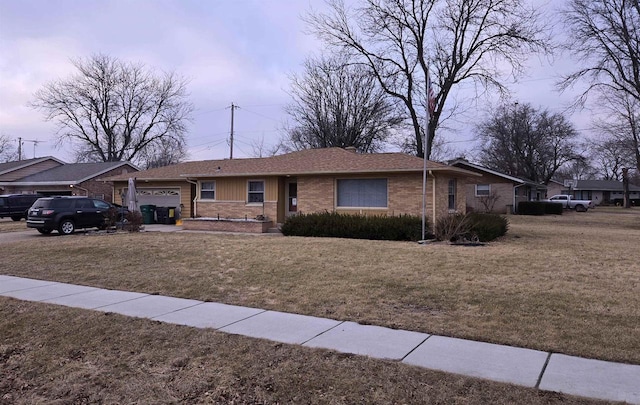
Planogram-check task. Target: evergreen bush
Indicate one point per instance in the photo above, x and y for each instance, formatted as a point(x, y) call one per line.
point(336, 225)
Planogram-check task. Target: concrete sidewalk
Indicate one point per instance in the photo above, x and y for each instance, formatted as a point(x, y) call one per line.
point(526, 367)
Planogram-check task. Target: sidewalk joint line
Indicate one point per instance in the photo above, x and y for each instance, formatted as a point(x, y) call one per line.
point(414, 349)
point(175, 310)
point(323, 332)
point(243, 319)
point(544, 368)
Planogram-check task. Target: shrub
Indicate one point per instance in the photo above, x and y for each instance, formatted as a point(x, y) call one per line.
point(553, 208)
point(487, 227)
point(472, 227)
point(539, 208)
point(133, 221)
point(112, 217)
point(332, 224)
point(452, 228)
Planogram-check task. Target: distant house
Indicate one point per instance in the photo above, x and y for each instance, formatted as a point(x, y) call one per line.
point(497, 192)
point(11, 171)
point(602, 192)
point(314, 180)
point(54, 177)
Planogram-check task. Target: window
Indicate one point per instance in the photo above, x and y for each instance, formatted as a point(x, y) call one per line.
point(101, 205)
point(208, 190)
point(362, 193)
point(256, 192)
point(452, 194)
point(483, 190)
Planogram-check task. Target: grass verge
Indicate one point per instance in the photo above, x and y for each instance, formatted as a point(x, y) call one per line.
point(54, 354)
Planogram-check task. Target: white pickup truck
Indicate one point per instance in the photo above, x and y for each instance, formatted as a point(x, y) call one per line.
point(570, 203)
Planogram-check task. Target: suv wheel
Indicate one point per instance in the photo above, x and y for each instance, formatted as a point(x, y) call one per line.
point(44, 231)
point(66, 227)
point(16, 218)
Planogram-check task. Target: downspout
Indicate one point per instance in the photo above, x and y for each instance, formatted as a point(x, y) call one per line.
point(433, 196)
point(195, 198)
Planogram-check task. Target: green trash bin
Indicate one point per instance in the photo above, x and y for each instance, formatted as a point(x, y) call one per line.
point(148, 214)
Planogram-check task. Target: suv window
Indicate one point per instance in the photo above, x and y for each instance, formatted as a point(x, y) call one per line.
point(3, 201)
point(53, 203)
point(101, 204)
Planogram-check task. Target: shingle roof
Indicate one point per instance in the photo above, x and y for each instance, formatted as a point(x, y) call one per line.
point(18, 164)
point(71, 173)
point(473, 166)
point(310, 161)
point(603, 185)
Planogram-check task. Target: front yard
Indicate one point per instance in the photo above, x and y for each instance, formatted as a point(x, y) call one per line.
point(567, 284)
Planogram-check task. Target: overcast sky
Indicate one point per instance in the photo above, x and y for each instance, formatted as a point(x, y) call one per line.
point(239, 51)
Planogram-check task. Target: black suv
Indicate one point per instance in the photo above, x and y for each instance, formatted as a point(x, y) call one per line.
point(66, 214)
point(16, 205)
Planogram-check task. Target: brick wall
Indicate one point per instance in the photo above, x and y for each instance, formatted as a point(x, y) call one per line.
point(504, 191)
point(235, 209)
point(226, 226)
point(316, 194)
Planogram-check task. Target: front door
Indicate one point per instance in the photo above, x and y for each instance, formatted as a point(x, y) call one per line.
point(292, 197)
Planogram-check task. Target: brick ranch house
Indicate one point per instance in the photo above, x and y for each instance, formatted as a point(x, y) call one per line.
point(314, 180)
point(50, 176)
point(498, 192)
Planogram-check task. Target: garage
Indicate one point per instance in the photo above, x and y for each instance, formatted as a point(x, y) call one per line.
point(160, 197)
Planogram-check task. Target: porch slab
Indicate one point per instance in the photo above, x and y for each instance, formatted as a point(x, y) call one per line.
point(592, 378)
point(96, 298)
point(209, 315)
point(16, 284)
point(478, 359)
point(150, 306)
point(281, 327)
point(49, 291)
point(373, 341)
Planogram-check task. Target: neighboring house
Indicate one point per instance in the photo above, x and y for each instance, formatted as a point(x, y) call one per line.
point(11, 171)
point(555, 187)
point(497, 192)
point(602, 192)
point(314, 180)
point(83, 179)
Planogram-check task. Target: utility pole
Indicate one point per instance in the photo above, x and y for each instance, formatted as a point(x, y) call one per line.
point(233, 107)
point(19, 148)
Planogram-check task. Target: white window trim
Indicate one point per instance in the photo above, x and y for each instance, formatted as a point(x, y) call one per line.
point(202, 189)
point(482, 195)
point(264, 192)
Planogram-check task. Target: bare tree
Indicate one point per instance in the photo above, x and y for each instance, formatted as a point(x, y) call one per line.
point(489, 201)
point(7, 150)
point(621, 129)
point(398, 40)
point(605, 37)
point(527, 143)
point(164, 152)
point(610, 156)
point(338, 104)
point(115, 111)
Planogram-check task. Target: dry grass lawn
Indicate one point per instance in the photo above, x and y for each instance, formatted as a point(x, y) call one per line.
point(12, 226)
point(57, 355)
point(567, 283)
